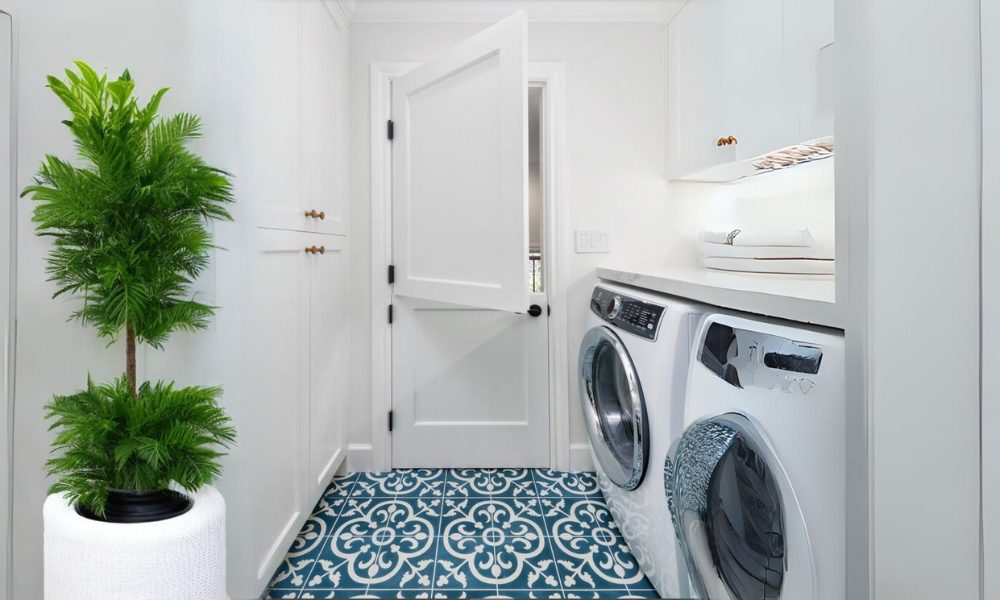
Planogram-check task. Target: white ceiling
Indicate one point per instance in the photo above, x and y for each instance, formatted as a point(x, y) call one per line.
point(621, 11)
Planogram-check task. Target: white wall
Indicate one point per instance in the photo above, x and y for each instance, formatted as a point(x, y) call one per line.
point(615, 165)
point(801, 196)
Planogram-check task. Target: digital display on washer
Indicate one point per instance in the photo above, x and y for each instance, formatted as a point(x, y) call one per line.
point(630, 314)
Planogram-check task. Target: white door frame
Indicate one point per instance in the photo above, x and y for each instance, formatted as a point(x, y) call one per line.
point(550, 76)
point(8, 256)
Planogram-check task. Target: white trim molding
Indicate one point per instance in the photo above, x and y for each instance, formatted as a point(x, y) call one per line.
point(359, 458)
point(381, 76)
point(488, 11)
point(580, 458)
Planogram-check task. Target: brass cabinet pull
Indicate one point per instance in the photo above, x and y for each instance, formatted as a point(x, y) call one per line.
point(726, 141)
point(316, 215)
point(316, 249)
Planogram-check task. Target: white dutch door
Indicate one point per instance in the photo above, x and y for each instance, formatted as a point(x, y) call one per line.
point(469, 362)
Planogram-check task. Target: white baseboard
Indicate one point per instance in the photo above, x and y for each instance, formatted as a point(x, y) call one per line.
point(579, 458)
point(359, 457)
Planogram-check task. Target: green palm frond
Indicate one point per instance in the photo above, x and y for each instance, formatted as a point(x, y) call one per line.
point(108, 439)
point(128, 222)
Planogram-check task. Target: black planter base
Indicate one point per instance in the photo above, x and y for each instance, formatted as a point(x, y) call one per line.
point(140, 507)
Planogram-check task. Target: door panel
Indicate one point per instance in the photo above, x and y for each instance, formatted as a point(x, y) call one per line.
point(460, 201)
point(277, 310)
point(470, 386)
point(327, 357)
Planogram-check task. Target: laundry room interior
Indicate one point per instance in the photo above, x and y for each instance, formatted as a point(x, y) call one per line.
point(499, 299)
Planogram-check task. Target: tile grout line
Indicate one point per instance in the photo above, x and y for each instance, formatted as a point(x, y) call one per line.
point(327, 539)
point(437, 532)
point(549, 537)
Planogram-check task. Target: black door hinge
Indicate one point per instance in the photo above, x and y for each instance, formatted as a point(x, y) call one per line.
point(390, 129)
point(390, 420)
point(392, 273)
point(390, 314)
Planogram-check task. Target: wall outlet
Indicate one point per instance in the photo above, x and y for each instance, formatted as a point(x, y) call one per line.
point(592, 240)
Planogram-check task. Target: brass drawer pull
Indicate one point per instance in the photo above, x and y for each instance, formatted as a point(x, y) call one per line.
point(316, 249)
point(316, 215)
point(726, 141)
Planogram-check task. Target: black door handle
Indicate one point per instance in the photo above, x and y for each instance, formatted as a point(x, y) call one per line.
point(534, 310)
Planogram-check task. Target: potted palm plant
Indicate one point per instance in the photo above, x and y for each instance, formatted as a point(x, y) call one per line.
point(129, 236)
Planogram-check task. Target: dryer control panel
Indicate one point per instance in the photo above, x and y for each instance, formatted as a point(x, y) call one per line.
point(632, 315)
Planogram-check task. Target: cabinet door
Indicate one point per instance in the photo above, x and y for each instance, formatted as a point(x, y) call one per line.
point(758, 106)
point(809, 56)
point(328, 349)
point(322, 128)
point(275, 318)
point(270, 108)
point(695, 84)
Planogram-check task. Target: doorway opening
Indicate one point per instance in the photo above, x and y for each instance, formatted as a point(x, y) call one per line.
point(536, 191)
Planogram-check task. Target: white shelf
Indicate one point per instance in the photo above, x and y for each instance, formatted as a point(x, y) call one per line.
point(803, 298)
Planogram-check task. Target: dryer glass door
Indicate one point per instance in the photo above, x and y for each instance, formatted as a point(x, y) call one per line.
point(728, 509)
point(614, 407)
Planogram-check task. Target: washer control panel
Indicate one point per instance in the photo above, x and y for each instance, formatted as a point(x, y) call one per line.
point(632, 315)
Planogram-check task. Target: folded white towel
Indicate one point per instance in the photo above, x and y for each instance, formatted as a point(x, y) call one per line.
point(801, 238)
point(727, 251)
point(795, 266)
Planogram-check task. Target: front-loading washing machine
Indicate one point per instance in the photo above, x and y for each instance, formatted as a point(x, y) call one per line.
point(755, 484)
point(632, 368)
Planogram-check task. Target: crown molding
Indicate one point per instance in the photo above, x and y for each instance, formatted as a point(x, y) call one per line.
point(486, 11)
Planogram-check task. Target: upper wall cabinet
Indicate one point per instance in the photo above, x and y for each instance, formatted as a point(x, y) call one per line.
point(302, 124)
point(746, 77)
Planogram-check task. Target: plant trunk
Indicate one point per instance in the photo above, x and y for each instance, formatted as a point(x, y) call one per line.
point(130, 358)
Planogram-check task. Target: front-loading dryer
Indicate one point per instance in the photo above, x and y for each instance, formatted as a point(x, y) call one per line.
point(632, 369)
point(756, 482)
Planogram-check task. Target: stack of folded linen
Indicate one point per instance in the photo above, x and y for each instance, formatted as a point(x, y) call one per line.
point(792, 251)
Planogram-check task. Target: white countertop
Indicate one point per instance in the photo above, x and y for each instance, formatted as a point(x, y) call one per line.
point(803, 298)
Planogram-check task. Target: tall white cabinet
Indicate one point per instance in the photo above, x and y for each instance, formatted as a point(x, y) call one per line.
point(283, 283)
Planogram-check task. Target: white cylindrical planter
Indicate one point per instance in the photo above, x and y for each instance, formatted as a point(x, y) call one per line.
point(180, 558)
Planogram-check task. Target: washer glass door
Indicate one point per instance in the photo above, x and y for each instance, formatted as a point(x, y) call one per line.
point(614, 408)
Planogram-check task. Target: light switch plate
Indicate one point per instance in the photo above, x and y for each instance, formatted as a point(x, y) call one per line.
point(592, 240)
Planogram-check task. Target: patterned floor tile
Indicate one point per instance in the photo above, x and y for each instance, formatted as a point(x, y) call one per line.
point(562, 483)
point(512, 483)
point(405, 564)
point(525, 563)
point(460, 533)
point(586, 563)
point(579, 517)
point(465, 564)
point(520, 517)
point(465, 517)
point(346, 563)
point(469, 483)
point(405, 517)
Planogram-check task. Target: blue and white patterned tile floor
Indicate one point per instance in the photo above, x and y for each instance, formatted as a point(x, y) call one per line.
point(461, 533)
